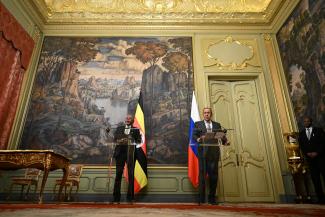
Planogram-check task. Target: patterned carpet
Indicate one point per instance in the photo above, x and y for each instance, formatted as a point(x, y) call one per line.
point(157, 210)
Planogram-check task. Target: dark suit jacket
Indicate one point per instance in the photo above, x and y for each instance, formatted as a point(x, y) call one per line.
point(315, 144)
point(121, 148)
point(200, 129)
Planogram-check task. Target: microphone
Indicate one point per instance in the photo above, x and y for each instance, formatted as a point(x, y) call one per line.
point(224, 130)
point(229, 129)
point(108, 129)
point(220, 130)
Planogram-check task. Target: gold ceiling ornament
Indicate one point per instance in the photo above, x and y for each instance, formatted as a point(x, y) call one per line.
point(160, 5)
point(158, 11)
point(267, 37)
point(229, 53)
point(36, 33)
point(156, 6)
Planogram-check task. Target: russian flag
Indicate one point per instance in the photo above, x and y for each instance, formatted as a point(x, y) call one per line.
point(193, 161)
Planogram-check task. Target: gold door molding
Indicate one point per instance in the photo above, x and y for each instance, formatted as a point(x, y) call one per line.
point(245, 171)
point(230, 184)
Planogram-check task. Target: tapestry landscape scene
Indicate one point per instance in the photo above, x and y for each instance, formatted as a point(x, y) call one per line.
point(302, 45)
point(85, 85)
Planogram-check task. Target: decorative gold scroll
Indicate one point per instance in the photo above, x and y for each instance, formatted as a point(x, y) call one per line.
point(228, 53)
point(158, 11)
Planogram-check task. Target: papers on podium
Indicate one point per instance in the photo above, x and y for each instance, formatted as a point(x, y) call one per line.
point(213, 138)
point(209, 138)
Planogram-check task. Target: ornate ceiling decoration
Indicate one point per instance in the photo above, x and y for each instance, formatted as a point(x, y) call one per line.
point(159, 11)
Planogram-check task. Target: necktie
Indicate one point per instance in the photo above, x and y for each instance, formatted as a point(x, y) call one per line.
point(127, 130)
point(308, 133)
point(209, 127)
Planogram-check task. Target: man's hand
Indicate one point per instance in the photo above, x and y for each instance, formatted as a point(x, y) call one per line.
point(200, 139)
point(123, 140)
point(312, 154)
point(220, 135)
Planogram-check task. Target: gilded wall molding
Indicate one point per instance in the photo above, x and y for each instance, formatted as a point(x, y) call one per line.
point(230, 54)
point(158, 11)
point(155, 6)
point(278, 84)
point(36, 35)
point(267, 37)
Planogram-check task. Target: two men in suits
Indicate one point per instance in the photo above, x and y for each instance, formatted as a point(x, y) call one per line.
point(208, 155)
point(125, 136)
point(312, 145)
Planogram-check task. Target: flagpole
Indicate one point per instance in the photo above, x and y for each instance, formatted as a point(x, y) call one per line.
point(110, 174)
point(110, 161)
point(140, 161)
point(222, 178)
point(130, 165)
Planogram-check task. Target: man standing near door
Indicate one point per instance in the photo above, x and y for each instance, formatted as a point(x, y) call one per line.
point(312, 144)
point(208, 155)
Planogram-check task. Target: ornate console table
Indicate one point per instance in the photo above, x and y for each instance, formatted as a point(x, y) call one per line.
point(45, 160)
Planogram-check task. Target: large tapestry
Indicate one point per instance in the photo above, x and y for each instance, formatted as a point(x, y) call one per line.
point(84, 85)
point(302, 46)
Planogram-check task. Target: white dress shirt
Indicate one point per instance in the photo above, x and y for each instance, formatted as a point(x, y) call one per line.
point(308, 132)
point(127, 129)
point(208, 125)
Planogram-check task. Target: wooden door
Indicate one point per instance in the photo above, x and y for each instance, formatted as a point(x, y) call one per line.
point(244, 174)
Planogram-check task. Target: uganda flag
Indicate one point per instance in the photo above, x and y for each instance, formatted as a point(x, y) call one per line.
point(140, 167)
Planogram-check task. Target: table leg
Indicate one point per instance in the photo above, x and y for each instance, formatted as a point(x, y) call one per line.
point(64, 179)
point(45, 175)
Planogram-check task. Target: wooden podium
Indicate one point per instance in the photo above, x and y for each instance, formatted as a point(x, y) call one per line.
point(209, 149)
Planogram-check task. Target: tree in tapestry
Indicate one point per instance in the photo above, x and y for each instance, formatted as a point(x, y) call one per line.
point(302, 44)
point(84, 85)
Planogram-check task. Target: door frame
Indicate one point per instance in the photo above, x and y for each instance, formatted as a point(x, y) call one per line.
point(266, 119)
